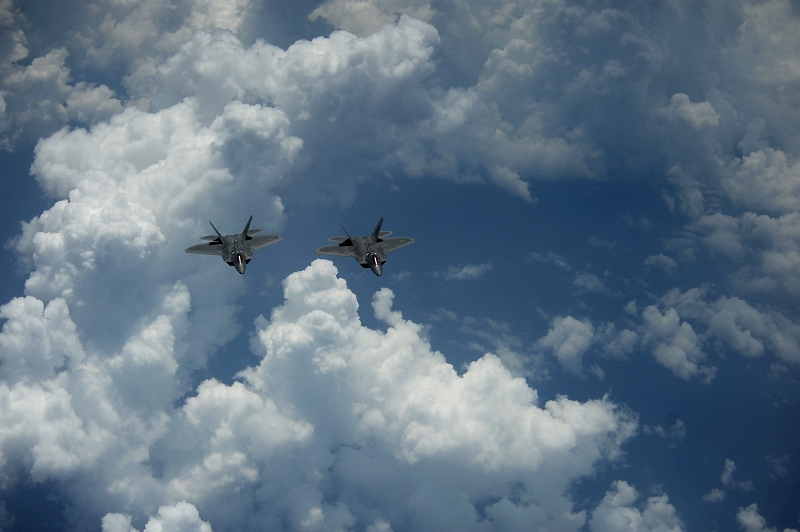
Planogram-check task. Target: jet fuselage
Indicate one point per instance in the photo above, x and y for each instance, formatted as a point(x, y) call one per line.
point(369, 251)
point(236, 250)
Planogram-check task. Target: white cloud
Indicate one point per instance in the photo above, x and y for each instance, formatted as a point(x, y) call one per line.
point(568, 339)
point(743, 328)
point(676, 346)
point(721, 234)
point(751, 521)
point(689, 192)
point(590, 283)
point(364, 17)
point(214, 117)
point(698, 115)
point(551, 257)
point(37, 340)
point(39, 99)
point(728, 481)
point(766, 179)
point(778, 464)
point(331, 401)
point(501, 342)
point(668, 264)
point(767, 248)
point(394, 392)
point(510, 180)
point(136, 186)
point(616, 344)
point(598, 371)
point(465, 273)
point(180, 517)
point(617, 513)
point(715, 495)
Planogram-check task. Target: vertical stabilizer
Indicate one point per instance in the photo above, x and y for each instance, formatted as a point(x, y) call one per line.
point(215, 230)
point(377, 230)
point(349, 240)
point(246, 228)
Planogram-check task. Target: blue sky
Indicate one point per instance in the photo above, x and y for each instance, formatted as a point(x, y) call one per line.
point(596, 329)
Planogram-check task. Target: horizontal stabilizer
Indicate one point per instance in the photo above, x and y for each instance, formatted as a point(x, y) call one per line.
point(251, 232)
point(337, 238)
point(384, 234)
point(209, 237)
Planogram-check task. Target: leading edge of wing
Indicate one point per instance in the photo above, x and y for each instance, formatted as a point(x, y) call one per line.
point(335, 250)
point(391, 244)
point(205, 249)
point(258, 242)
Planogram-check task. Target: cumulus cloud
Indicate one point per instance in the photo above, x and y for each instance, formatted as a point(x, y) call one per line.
point(128, 190)
point(676, 346)
point(741, 327)
point(697, 115)
point(568, 339)
point(203, 115)
point(617, 513)
point(767, 248)
point(119, 447)
point(751, 521)
point(616, 344)
point(180, 517)
point(496, 337)
point(364, 17)
point(39, 98)
point(766, 179)
point(331, 403)
point(689, 192)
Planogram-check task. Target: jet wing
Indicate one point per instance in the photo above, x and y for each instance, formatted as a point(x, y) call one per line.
point(206, 249)
point(336, 250)
point(258, 242)
point(391, 244)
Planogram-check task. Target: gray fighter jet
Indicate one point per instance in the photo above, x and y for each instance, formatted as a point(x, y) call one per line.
point(369, 251)
point(236, 250)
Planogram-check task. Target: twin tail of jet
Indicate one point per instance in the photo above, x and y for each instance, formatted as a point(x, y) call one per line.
point(237, 250)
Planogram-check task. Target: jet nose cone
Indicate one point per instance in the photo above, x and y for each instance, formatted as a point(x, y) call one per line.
point(239, 264)
point(377, 269)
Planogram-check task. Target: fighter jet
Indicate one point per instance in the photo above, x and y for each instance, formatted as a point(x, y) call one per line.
point(369, 251)
point(236, 250)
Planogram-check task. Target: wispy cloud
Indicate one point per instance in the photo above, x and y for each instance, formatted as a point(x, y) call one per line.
point(470, 272)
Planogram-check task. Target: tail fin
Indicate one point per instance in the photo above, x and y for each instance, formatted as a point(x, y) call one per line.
point(349, 240)
point(215, 230)
point(246, 228)
point(376, 232)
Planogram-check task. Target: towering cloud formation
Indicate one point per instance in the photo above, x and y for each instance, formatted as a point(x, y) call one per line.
point(321, 432)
